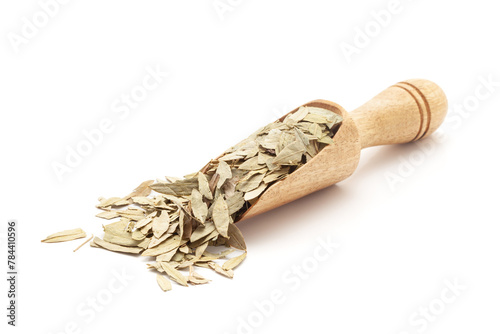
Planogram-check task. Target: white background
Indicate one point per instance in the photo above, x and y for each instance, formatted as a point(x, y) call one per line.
point(399, 243)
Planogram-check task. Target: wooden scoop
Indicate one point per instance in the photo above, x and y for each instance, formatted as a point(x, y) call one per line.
point(406, 112)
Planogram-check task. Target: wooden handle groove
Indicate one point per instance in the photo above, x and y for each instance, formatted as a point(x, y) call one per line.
point(405, 112)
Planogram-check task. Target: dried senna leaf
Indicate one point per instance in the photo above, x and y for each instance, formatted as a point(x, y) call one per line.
point(66, 235)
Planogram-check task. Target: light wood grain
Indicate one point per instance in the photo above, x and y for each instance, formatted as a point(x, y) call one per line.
point(405, 112)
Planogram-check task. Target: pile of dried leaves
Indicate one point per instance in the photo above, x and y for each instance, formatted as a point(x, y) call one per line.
point(176, 224)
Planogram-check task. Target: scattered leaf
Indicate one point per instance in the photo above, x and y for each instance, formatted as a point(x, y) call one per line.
point(234, 262)
point(66, 235)
point(163, 282)
point(174, 274)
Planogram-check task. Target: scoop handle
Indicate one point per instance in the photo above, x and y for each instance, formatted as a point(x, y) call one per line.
point(407, 111)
